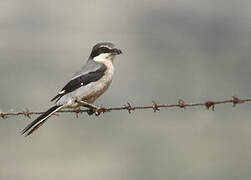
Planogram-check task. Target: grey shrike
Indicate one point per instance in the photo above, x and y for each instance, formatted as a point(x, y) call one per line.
point(91, 81)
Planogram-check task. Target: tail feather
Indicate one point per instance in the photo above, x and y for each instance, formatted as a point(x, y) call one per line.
point(35, 128)
point(40, 120)
point(56, 97)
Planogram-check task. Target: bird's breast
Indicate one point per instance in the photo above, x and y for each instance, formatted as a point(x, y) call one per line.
point(92, 91)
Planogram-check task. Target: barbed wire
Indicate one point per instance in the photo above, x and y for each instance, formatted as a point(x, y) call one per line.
point(128, 107)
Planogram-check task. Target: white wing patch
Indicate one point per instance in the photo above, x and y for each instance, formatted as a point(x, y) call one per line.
point(62, 92)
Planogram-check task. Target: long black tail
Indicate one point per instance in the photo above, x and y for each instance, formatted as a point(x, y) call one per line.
point(30, 128)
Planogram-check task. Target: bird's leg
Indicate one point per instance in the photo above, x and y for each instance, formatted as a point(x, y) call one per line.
point(86, 104)
point(92, 108)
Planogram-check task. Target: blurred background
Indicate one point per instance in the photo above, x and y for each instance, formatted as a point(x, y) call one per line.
point(195, 50)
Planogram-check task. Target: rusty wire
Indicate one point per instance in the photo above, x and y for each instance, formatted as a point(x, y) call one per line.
point(128, 107)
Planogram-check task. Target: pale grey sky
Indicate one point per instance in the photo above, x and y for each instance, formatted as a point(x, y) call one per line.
point(195, 50)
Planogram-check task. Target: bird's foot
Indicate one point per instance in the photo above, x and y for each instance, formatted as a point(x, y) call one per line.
point(97, 110)
point(90, 111)
point(92, 108)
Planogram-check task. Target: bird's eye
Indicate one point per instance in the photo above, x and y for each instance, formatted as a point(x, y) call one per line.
point(104, 50)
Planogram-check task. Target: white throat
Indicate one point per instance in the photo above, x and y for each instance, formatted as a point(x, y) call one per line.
point(104, 57)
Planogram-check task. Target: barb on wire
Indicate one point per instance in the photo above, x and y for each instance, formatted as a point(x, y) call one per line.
point(128, 107)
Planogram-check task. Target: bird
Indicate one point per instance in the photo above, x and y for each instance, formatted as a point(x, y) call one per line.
point(86, 85)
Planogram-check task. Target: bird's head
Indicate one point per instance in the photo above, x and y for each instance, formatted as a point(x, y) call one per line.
point(104, 51)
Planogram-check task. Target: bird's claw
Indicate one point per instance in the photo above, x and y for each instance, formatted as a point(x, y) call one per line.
point(90, 111)
point(97, 110)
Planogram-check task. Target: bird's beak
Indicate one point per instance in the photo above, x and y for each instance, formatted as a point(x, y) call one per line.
point(116, 51)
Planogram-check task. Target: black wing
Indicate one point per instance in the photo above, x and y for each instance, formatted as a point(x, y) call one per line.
point(81, 80)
